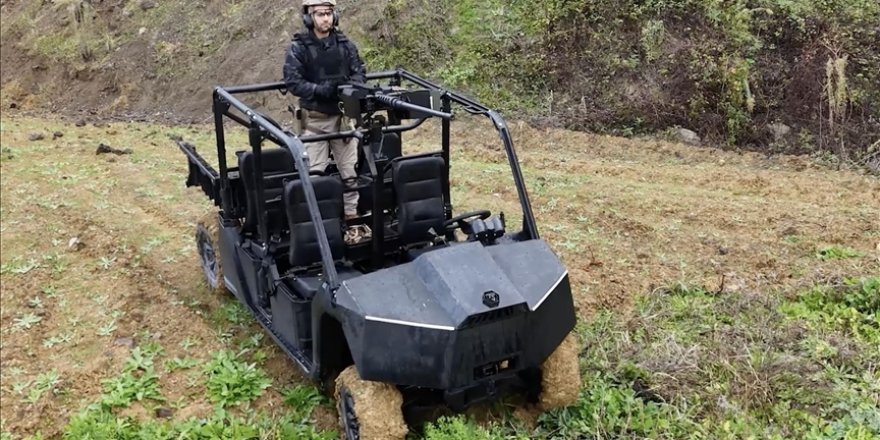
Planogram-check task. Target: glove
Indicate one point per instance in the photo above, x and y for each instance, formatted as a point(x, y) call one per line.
point(327, 91)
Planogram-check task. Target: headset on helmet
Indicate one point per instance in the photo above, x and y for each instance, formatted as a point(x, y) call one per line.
point(308, 21)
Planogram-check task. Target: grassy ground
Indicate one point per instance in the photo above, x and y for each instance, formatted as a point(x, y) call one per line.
point(720, 295)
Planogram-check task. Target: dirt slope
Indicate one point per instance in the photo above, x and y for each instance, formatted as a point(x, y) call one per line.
point(156, 60)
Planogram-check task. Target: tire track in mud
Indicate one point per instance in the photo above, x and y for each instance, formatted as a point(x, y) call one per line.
point(80, 379)
point(169, 298)
point(141, 288)
point(153, 286)
point(137, 288)
point(280, 368)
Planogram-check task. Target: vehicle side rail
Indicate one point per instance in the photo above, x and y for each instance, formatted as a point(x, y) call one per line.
point(201, 173)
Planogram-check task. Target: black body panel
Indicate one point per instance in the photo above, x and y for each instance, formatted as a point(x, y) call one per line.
point(397, 317)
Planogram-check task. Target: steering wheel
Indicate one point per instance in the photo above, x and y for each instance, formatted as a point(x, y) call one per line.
point(458, 221)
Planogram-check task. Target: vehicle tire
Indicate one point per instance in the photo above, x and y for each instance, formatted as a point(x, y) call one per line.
point(208, 245)
point(561, 376)
point(368, 410)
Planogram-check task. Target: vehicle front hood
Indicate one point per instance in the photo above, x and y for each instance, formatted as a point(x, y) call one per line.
point(442, 288)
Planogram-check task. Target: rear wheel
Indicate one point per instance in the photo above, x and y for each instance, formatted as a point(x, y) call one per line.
point(208, 244)
point(368, 410)
point(560, 375)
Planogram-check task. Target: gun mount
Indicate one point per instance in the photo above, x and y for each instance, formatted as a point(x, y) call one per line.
point(361, 102)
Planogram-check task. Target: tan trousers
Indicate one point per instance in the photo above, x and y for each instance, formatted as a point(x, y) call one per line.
point(344, 152)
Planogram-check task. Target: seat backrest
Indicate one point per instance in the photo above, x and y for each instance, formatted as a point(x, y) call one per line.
point(418, 185)
point(304, 249)
point(274, 161)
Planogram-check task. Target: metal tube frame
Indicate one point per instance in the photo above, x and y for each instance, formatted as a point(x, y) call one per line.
point(260, 128)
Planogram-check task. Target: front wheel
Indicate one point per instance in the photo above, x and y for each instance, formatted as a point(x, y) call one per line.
point(208, 244)
point(561, 376)
point(368, 410)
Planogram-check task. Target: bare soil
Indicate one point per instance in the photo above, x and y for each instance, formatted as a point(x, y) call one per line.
point(162, 62)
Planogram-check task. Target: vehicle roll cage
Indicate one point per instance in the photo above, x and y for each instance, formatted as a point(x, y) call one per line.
point(261, 127)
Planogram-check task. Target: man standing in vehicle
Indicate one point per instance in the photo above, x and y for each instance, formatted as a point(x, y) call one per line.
point(318, 61)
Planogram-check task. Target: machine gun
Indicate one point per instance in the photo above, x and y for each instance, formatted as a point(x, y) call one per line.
point(361, 102)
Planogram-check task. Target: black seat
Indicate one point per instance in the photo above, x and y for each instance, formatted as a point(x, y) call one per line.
point(304, 249)
point(275, 161)
point(418, 184)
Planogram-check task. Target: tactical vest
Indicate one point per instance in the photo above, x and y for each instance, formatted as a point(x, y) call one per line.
point(327, 59)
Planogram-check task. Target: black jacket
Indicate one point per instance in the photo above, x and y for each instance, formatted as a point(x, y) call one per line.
point(311, 62)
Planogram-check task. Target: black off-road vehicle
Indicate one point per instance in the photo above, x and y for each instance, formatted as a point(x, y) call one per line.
point(435, 308)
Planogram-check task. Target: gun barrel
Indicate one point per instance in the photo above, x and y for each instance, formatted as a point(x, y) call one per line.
point(400, 104)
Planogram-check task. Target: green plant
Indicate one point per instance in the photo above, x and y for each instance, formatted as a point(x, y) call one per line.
point(836, 253)
point(695, 363)
point(137, 382)
point(107, 329)
point(12, 371)
point(302, 399)
point(43, 383)
point(608, 409)
point(57, 262)
point(19, 387)
point(26, 321)
point(50, 292)
point(99, 424)
point(233, 312)
point(458, 428)
point(62, 338)
point(653, 37)
point(106, 262)
point(19, 266)
point(853, 306)
point(56, 47)
point(251, 342)
point(151, 244)
point(180, 364)
point(188, 343)
point(232, 381)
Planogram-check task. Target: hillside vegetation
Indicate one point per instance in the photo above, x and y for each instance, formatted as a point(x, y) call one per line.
point(727, 69)
point(775, 75)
